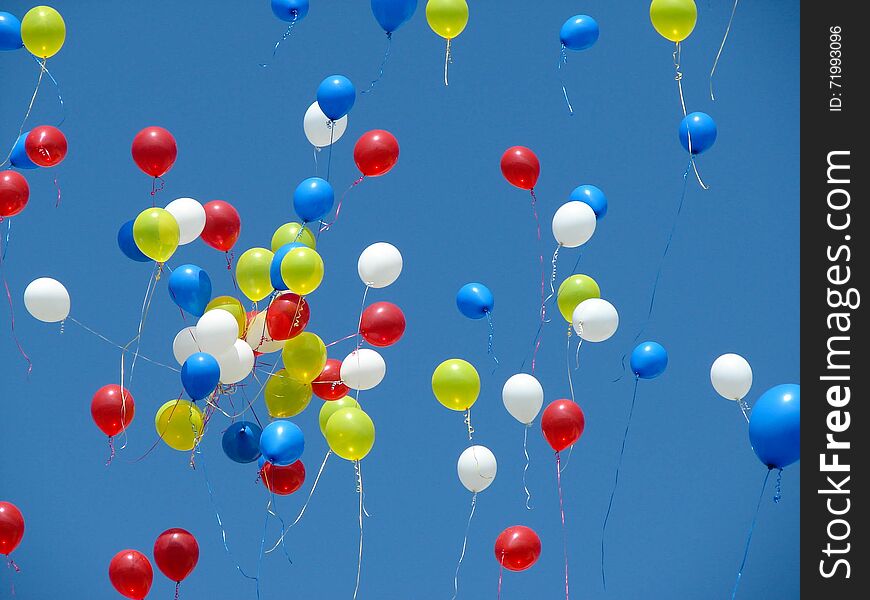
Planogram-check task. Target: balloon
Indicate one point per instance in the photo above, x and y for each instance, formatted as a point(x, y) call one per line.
point(382, 324)
point(288, 233)
point(285, 397)
point(595, 320)
point(731, 376)
point(287, 316)
point(275, 266)
point(474, 300)
point(112, 409)
point(574, 290)
point(128, 245)
point(648, 360)
point(330, 408)
point(320, 130)
point(579, 32)
point(476, 468)
point(392, 14)
point(290, 10)
point(19, 158)
point(43, 31)
point(313, 198)
point(11, 527)
point(350, 433)
point(236, 362)
point(447, 18)
point(190, 289)
point(258, 338)
point(222, 225)
point(47, 300)
point(45, 146)
point(282, 443)
point(335, 96)
point(520, 167)
point(131, 574)
point(304, 356)
point(523, 397)
point(179, 423)
point(775, 426)
point(14, 193)
point(253, 273)
point(573, 224)
point(379, 265)
point(456, 384)
point(241, 442)
point(156, 234)
point(190, 216)
point(216, 331)
point(184, 344)
point(328, 385)
point(282, 480)
point(302, 270)
point(592, 196)
point(176, 553)
point(562, 424)
point(517, 548)
point(702, 129)
point(376, 152)
point(363, 369)
point(232, 306)
point(10, 32)
point(673, 19)
point(154, 151)
point(200, 375)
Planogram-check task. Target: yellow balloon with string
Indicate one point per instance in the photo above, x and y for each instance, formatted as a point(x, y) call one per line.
point(304, 356)
point(456, 384)
point(674, 20)
point(156, 234)
point(43, 31)
point(302, 270)
point(447, 18)
point(350, 433)
point(179, 424)
point(289, 233)
point(285, 397)
point(252, 273)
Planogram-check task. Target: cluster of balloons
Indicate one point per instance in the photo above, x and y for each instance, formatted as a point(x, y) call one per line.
point(176, 553)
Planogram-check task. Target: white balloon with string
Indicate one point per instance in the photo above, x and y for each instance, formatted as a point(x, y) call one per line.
point(236, 362)
point(258, 338)
point(216, 331)
point(573, 224)
point(319, 129)
point(185, 345)
point(595, 320)
point(47, 300)
point(476, 468)
point(363, 369)
point(379, 265)
point(190, 216)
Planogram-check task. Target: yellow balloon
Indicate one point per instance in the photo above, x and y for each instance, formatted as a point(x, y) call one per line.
point(286, 397)
point(350, 433)
point(447, 18)
point(673, 19)
point(156, 233)
point(179, 424)
point(232, 306)
point(330, 407)
point(302, 270)
point(573, 291)
point(456, 384)
point(43, 31)
point(304, 356)
point(252, 273)
point(289, 233)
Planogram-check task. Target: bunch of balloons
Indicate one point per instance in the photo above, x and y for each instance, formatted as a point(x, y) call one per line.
point(176, 553)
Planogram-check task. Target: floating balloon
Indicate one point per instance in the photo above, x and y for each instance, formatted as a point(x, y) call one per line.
point(285, 397)
point(595, 320)
point(313, 198)
point(392, 14)
point(154, 151)
point(179, 424)
point(562, 424)
point(176, 553)
point(520, 167)
point(336, 96)
point(382, 324)
point(258, 338)
point(156, 234)
point(282, 480)
point(43, 31)
point(19, 158)
point(275, 277)
point(236, 362)
point(222, 225)
point(112, 409)
point(517, 548)
point(253, 273)
point(592, 196)
point(649, 360)
point(47, 300)
point(304, 356)
point(476, 468)
point(128, 245)
point(290, 10)
point(190, 289)
point(200, 375)
point(302, 270)
point(376, 152)
point(10, 32)
point(289, 233)
point(523, 397)
point(674, 20)
point(287, 316)
point(11, 527)
point(579, 32)
point(14, 193)
point(216, 331)
point(330, 408)
point(282, 443)
point(573, 224)
point(363, 369)
point(731, 376)
point(456, 384)
point(328, 385)
point(379, 265)
point(775, 426)
point(232, 306)
point(320, 130)
point(241, 442)
point(350, 433)
point(447, 18)
point(131, 574)
point(45, 146)
point(697, 130)
point(184, 344)
point(474, 300)
point(574, 290)
point(190, 216)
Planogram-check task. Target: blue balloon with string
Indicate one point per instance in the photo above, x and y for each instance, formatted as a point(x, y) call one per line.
point(593, 196)
point(775, 426)
point(241, 442)
point(392, 14)
point(649, 360)
point(10, 32)
point(290, 10)
point(335, 96)
point(313, 198)
point(128, 245)
point(579, 32)
point(200, 375)
point(275, 267)
point(282, 443)
point(190, 289)
point(474, 300)
point(702, 129)
point(19, 158)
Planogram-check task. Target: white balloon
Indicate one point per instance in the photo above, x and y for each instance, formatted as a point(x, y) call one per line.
point(476, 468)
point(595, 320)
point(258, 337)
point(184, 344)
point(379, 265)
point(47, 300)
point(731, 376)
point(190, 216)
point(319, 129)
point(523, 397)
point(236, 362)
point(573, 224)
point(216, 331)
point(363, 369)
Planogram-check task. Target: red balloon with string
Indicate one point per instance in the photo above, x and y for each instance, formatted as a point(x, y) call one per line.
point(112, 409)
point(131, 573)
point(14, 193)
point(517, 548)
point(283, 480)
point(376, 152)
point(11, 527)
point(154, 151)
point(287, 316)
point(328, 385)
point(176, 553)
point(222, 225)
point(562, 424)
point(382, 324)
point(520, 167)
point(45, 145)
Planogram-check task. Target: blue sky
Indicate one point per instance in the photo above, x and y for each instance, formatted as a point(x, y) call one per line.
point(730, 284)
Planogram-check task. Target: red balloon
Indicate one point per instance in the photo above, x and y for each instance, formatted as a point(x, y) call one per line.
point(131, 574)
point(14, 193)
point(287, 316)
point(517, 548)
point(376, 152)
point(11, 527)
point(562, 424)
point(176, 553)
point(328, 385)
point(382, 324)
point(283, 480)
point(112, 409)
point(45, 145)
point(520, 167)
point(154, 151)
point(222, 225)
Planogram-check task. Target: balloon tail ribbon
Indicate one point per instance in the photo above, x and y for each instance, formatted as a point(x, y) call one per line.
point(42, 66)
point(304, 506)
point(447, 61)
point(749, 537)
point(157, 185)
point(359, 489)
point(577, 353)
point(778, 494)
point(57, 187)
point(146, 306)
point(29, 109)
point(338, 341)
point(112, 448)
point(563, 60)
point(552, 293)
point(744, 408)
point(464, 545)
point(9, 298)
point(526, 466)
point(489, 347)
point(316, 152)
point(616, 481)
point(362, 309)
point(275, 514)
point(263, 545)
point(468, 424)
point(15, 569)
point(283, 37)
point(568, 363)
point(326, 226)
point(177, 585)
point(722, 47)
point(331, 125)
point(562, 514)
point(500, 575)
point(117, 345)
point(383, 64)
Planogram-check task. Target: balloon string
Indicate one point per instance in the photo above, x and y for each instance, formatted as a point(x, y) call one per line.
point(359, 489)
point(57, 187)
point(383, 64)
point(464, 545)
point(42, 66)
point(157, 185)
point(562, 513)
point(29, 109)
point(283, 37)
point(749, 537)
point(468, 424)
point(362, 309)
point(15, 569)
point(678, 77)
point(721, 47)
point(744, 408)
point(118, 346)
point(112, 442)
point(331, 126)
point(489, 348)
point(9, 298)
point(338, 341)
point(262, 547)
point(568, 363)
point(778, 494)
point(146, 306)
point(447, 61)
point(304, 506)
point(177, 585)
point(616, 480)
point(563, 60)
point(552, 293)
point(526, 466)
point(316, 166)
point(579, 343)
point(358, 181)
point(500, 575)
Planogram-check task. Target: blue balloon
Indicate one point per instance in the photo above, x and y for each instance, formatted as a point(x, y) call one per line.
point(579, 32)
point(335, 96)
point(275, 267)
point(241, 441)
point(200, 375)
point(282, 443)
point(128, 245)
point(10, 32)
point(313, 198)
point(290, 10)
point(592, 196)
point(703, 130)
point(19, 158)
point(649, 360)
point(474, 300)
point(392, 14)
point(775, 426)
point(190, 289)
